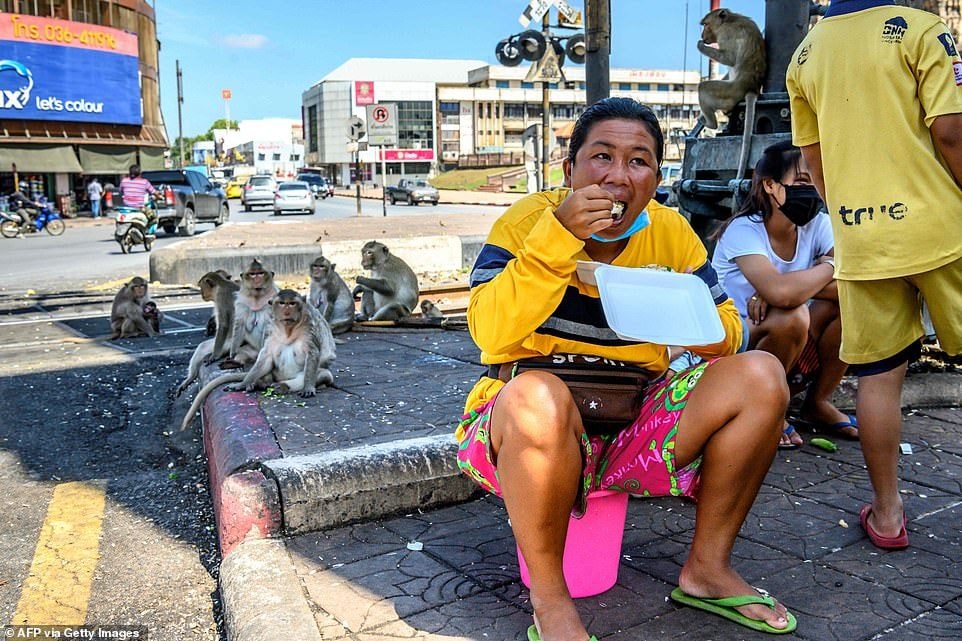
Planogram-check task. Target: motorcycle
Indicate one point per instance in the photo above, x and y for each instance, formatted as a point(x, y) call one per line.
point(45, 218)
point(136, 226)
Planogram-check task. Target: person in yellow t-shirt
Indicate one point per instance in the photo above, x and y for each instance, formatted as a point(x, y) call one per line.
point(697, 435)
point(877, 110)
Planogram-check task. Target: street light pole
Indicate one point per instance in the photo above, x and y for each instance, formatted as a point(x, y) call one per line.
point(545, 115)
point(598, 49)
point(180, 120)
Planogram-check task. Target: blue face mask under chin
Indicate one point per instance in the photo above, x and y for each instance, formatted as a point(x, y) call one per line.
point(640, 223)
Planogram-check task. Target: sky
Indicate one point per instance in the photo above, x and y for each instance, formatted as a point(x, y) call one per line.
point(269, 52)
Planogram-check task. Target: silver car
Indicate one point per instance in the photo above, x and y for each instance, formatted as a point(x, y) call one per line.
point(259, 190)
point(294, 195)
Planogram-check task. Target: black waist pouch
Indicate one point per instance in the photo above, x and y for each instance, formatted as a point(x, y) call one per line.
point(609, 394)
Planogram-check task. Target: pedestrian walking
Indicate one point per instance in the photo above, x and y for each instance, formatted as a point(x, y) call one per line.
point(877, 110)
point(94, 193)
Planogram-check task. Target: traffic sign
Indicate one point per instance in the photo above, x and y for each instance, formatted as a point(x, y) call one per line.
point(547, 69)
point(225, 94)
point(355, 128)
point(534, 11)
point(382, 124)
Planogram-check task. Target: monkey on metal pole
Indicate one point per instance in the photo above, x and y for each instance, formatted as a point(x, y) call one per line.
point(598, 49)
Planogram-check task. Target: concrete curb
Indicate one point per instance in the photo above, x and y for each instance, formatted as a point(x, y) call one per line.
point(237, 438)
point(371, 481)
point(262, 594)
point(920, 390)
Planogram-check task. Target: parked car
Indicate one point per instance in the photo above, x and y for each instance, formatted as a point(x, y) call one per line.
point(235, 186)
point(412, 192)
point(259, 190)
point(186, 198)
point(293, 195)
point(318, 183)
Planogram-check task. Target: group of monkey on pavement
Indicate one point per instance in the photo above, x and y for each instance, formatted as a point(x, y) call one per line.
point(286, 339)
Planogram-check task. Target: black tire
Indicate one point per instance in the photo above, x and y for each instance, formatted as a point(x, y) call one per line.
point(392, 199)
point(247, 207)
point(412, 202)
point(224, 216)
point(277, 212)
point(435, 203)
point(55, 227)
point(126, 243)
point(9, 228)
point(148, 244)
point(189, 225)
point(169, 229)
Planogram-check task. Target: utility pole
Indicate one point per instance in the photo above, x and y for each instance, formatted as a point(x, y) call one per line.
point(545, 115)
point(180, 120)
point(598, 41)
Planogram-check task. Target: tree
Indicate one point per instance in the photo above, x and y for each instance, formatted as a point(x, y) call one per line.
point(221, 123)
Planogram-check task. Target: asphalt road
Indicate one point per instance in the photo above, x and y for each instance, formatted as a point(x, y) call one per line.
point(95, 417)
point(87, 255)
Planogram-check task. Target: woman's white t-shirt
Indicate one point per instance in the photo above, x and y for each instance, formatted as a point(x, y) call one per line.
point(747, 235)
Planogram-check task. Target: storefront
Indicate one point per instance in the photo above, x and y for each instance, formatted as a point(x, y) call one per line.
point(78, 97)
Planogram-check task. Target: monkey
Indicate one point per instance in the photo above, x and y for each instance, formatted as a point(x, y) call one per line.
point(430, 310)
point(331, 296)
point(391, 292)
point(215, 287)
point(152, 315)
point(127, 311)
point(296, 356)
point(211, 329)
point(741, 47)
point(251, 315)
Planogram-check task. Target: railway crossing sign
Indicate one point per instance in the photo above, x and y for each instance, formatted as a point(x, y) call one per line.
point(537, 8)
point(382, 124)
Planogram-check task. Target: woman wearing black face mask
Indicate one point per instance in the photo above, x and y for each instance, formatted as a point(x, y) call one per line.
point(774, 258)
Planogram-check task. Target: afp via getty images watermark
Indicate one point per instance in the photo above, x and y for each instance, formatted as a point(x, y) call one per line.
point(89, 632)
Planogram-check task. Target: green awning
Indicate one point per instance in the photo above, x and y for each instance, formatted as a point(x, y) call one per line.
point(107, 159)
point(39, 159)
point(152, 158)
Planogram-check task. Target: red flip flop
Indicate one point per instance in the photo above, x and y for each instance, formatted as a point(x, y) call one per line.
point(897, 542)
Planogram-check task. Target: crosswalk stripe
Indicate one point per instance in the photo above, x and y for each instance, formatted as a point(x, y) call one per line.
point(57, 589)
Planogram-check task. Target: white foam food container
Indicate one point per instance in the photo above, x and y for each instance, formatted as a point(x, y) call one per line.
point(655, 306)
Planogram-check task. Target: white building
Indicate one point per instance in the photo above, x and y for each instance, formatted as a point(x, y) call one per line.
point(270, 145)
point(468, 113)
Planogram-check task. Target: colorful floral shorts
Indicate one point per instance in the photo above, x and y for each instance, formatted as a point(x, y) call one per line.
point(639, 459)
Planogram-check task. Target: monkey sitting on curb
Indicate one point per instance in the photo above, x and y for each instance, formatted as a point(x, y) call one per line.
point(430, 310)
point(331, 296)
point(127, 312)
point(741, 47)
point(391, 292)
point(251, 315)
point(296, 356)
point(215, 287)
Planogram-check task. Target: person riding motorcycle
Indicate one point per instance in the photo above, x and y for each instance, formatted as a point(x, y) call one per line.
point(135, 191)
point(19, 204)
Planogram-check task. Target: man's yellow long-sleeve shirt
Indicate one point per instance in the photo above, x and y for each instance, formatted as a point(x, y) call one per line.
point(527, 300)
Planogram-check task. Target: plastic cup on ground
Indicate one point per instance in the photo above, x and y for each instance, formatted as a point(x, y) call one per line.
point(593, 545)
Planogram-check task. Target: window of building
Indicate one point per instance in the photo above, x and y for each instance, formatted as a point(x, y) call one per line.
point(552, 85)
point(678, 87)
point(276, 157)
point(582, 86)
point(260, 157)
point(527, 85)
point(295, 157)
point(662, 87)
point(513, 111)
point(449, 107)
point(502, 84)
point(415, 124)
point(644, 86)
point(313, 144)
point(624, 86)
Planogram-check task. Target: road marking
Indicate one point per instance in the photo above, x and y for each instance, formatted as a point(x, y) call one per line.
point(57, 590)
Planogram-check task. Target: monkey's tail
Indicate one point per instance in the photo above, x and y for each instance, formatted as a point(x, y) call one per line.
point(230, 377)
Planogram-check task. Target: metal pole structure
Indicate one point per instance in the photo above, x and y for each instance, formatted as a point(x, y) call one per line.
point(357, 179)
point(597, 49)
point(712, 63)
point(786, 23)
point(180, 119)
point(545, 115)
point(383, 182)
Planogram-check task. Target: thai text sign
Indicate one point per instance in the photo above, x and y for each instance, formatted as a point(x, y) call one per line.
point(58, 70)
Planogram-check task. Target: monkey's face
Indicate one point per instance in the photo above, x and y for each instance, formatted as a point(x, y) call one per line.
point(367, 258)
point(138, 291)
point(257, 279)
point(150, 310)
point(287, 310)
point(320, 270)
point(621, 156)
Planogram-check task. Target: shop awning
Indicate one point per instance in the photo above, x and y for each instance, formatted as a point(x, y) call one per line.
point(152, 158)
point(39, 159)
point(107, 159)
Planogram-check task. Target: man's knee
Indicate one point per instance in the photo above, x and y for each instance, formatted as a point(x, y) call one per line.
point(763, 374)
point(790, 322)
point(537, 404)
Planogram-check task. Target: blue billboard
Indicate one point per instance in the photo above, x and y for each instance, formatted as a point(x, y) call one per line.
point(69, 71)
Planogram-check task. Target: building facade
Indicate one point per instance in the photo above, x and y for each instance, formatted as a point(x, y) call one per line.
point(466, 113)
point(81, 94)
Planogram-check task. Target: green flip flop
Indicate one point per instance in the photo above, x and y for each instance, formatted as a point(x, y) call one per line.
point(726, 608)
point(534, 636)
